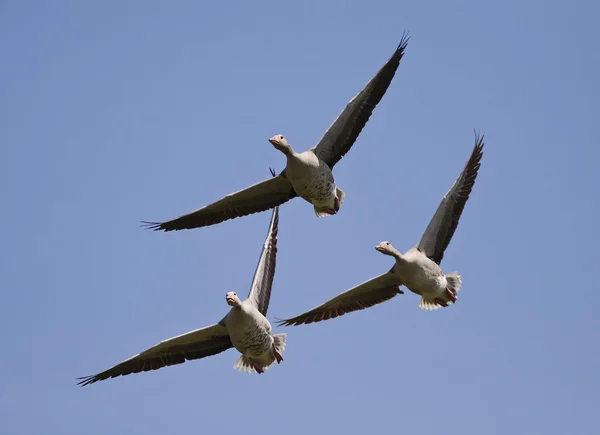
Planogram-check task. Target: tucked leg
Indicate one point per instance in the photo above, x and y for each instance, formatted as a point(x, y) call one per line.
point(441, 302)
point(257, 367)
point(451, 295)
point(278, 355)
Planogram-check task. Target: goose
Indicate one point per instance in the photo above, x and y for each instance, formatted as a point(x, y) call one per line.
point(307, 174)
point(419, 268)
point(245, 327)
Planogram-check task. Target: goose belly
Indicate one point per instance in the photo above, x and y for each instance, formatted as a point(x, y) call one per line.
point(315, 184)
point(253, 342)
point(424, 282)
point(250, 337)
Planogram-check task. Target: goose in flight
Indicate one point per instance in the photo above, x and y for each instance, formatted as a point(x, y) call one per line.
point(307, 174)
point(419, 268)
point(245, 327)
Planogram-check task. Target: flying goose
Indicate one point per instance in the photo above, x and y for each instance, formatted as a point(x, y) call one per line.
point(307, 174)
point(419, 268)
point(245, 327)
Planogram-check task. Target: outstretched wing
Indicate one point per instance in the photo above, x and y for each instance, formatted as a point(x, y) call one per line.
point(440, 230)
point(256, 198)
point(260, 290)
point(192, 345)
point(365, 295)
point(342, 134)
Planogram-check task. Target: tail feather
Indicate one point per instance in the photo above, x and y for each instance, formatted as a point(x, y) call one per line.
point(454, 283)
point(341, 195)
point(279, 341)
point(323, 211)
point(428, 305)
point(244, 365)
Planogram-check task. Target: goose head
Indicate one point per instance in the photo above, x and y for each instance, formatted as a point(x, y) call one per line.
point(280, 142)
point(232, 299)
point(386, 248)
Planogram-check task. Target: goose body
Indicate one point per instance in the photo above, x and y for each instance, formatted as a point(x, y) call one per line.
point(418, 269)
point(420, 275)
point(251, 333)
point(308, 174)
point(312, 179)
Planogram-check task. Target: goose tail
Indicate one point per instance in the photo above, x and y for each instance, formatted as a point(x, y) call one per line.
point(447, 298)
point(340, 195)
point(261, 364)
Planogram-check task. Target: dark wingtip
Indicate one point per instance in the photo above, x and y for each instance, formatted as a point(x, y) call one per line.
point(478, 137)
point(86, 380)
point(282, 322)
point(479, 143)
point(404, 41)
point(155, 226)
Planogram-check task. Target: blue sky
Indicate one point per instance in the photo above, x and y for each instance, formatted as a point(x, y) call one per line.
point(115, 112)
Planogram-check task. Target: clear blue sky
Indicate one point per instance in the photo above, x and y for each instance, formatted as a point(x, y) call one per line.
point(114, 112)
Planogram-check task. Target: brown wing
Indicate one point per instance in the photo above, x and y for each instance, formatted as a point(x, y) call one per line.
point(260, 290)
point(256, 198)
point(440, 230)
point(344, 131)
point(192, 345)
point(365, 295)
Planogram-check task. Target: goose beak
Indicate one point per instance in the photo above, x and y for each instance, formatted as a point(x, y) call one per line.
point(273, 141)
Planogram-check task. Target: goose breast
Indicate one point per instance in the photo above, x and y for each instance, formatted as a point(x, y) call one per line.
point(311, 178)
point(250, 331)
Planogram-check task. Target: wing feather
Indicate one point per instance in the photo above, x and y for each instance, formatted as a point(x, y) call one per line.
point(260, 290)
point(442, 226)
point(365, 295)
point(256, 198)
point(341, 135)
point(196, 344)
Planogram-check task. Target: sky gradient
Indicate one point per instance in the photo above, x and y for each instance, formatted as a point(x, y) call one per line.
point(114, 112)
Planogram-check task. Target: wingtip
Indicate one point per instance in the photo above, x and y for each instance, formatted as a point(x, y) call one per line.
point(404, 40)
point(479, 144)
point(154, 226)
point(278, 321)
point(86, 380)
point(479, 138)
point(283, 322)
